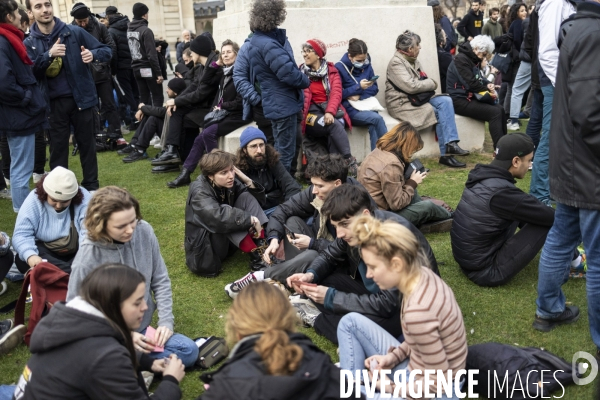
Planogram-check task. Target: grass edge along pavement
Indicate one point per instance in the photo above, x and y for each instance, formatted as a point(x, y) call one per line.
point(502, 314)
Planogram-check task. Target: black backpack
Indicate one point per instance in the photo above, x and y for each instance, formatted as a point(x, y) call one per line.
point(501, 365)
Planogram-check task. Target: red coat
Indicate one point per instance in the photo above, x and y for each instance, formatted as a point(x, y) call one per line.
point(335, 97)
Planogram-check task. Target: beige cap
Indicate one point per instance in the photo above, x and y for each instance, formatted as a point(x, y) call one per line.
point(61, 184)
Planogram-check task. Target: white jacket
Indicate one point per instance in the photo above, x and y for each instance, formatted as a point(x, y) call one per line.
point(551, 14)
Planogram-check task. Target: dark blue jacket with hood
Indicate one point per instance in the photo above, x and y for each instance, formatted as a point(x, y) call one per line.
point(351, 77)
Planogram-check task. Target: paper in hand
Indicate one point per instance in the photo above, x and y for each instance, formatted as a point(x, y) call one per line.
point(150, 334)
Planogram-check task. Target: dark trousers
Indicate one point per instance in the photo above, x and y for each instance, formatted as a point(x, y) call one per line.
point(62, 262)
point(327, 322)
point(6, 261)
point(151, 92)
point(146, 130)
point(534, 128)
point(280, 272)
point(333, 135)
point(182, 118)
point(130, 88)
point(297, 225)
point(108, 108)
point(263, 123)
point(40, 154)
point(493, 114)
point(513, 256)
point(64, 113)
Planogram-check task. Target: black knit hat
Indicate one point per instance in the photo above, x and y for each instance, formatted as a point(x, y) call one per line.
point(177, 85)
point(110, 10)
point(80, 11)
point(510, 146)
point(139, 10)
point(201, 46)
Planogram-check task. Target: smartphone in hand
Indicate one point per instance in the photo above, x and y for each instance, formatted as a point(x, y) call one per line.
point(374, 78)
point(289, 232)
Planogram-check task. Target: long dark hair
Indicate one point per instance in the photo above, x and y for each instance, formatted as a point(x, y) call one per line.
point(513, 14)
point(106, 288)
point(241, 158)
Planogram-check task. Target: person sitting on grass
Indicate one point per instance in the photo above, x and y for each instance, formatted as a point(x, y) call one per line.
point(151, 120)
point(84, 349)
point(260, 162)
point(340, 272)
point(116, 233)
point(390, 179)
point(324, 115)
point(432, 322)
point(50, 222)
point(223, 212)
point(269, 359)
point(491, 209)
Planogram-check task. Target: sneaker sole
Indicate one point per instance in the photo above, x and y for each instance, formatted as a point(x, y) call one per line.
point(548, 328)
point(12, 339)
point(175, 161)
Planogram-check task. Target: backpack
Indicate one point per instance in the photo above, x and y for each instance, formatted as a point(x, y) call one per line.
point(48, 285)
point(517, 368)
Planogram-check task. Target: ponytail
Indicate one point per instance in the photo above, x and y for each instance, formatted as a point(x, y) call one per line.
point(279, 356)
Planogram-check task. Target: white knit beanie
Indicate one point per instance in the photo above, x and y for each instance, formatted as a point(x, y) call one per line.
point(61, 184)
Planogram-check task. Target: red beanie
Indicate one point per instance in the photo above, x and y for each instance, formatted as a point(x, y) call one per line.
point(319, 47)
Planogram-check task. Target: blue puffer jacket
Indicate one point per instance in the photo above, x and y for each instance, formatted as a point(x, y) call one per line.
point(352, 86)
point(241, 80)
point(78, 74)
point(22, 106)
point(272, 65)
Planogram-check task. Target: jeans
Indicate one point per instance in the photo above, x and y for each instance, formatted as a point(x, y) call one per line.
point(22, 150)
point(446, 126)
point(270, 211)
point(522, 82)
point(7, 391)
point(374, 121)
point(182, 346)
point(284, 132)
point(535, 118)
point(359, 338)
point(571, 225)
point(540, 181)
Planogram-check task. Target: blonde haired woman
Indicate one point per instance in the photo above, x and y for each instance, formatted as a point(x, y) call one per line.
point(434, 332)
point(117, 234)
point(269, 359)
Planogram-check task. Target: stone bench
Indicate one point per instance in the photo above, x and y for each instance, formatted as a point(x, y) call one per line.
point(470, 131)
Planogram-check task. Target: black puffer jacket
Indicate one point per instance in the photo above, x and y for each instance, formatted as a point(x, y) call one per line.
point(78, 355)
point(277, 181)
point(209, 216)
point(118, 31)
point(575, 127)
point(300, 205)
point(243, 375)
point(339, 254)
point(463, 76)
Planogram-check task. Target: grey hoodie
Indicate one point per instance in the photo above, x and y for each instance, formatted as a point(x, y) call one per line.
point(141, 253)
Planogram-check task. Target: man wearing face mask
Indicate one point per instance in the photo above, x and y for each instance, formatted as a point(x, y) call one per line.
point(50, 222)
point(260, 162)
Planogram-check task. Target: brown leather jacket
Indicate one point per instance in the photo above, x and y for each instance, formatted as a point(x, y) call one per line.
point(382, 174)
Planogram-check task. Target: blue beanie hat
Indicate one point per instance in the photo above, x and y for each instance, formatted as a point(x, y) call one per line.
point(251, 133)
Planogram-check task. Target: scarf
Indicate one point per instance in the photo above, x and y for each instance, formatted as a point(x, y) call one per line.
point(15, 38)
point(228, 70)
point(321, 74)
point(323, 231)
point(408, 57)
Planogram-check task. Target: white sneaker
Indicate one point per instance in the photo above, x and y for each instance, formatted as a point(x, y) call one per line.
point(306, 310)
point(158, 146)
point(3, 287)
point(155, 140)
point(234, 288)
point(7, 181)
point(37, 177)
point(513, 126)
point(12, 338)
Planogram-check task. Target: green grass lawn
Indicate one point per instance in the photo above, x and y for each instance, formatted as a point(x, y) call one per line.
point(501, 314)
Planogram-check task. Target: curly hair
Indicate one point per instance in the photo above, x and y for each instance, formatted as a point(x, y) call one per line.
point(266, 15)
point(106, 201)
point(241, 158)
point(482, 43)
point(43, 196)
point(407, 40)
point(513, 14)
point(329, 167)
point(440, 41)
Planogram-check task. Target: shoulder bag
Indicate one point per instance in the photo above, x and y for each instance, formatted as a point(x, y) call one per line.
point(368, 104)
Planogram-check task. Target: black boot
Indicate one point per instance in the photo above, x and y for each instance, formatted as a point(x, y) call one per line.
point(171, 156)
point(256, 255)
point(451, 162)
point(453, 148)
point(182, 180)
point(160, 169)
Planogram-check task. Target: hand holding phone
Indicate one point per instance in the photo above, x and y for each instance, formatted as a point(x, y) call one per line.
point(374, 78)
point(289, 232)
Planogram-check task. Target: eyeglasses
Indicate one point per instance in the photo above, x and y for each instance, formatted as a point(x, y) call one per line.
point(307, 51)
point(256, 146)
